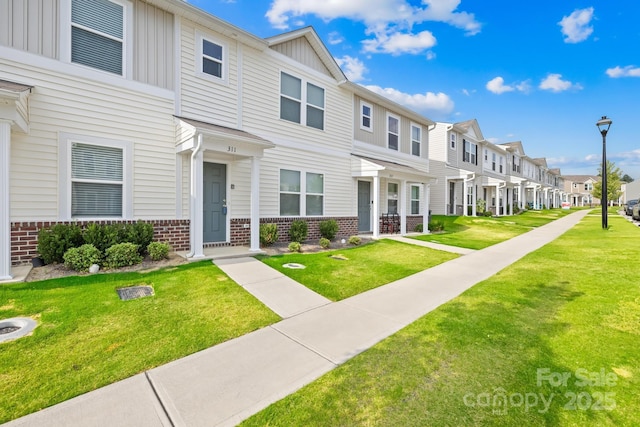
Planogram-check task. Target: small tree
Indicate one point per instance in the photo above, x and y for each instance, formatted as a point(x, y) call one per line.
point(613, 182)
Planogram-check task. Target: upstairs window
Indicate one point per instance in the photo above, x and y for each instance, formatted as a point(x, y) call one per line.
point(470, 152)
point(452, 144)
point(393, 132)
point(292, 94)
point(493, 161)
point(501, 164)
point(416, 139)
point(365, 117)
point(212, 62)
point(98, 34)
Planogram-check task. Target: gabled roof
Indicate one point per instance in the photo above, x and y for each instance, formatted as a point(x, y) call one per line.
point(514, 146)
point(540, 161)
point(318, 46)
point(469, 126)
point(581, 178)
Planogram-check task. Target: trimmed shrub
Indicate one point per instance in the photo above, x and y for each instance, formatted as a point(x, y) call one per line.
point(103, 236)
point(140, 234)
point(295, 247)
point(418, 228)
point(329, 229)
point(53, 242)
point(324, 243)
point(298, 231)
point(487, 213)
point(268, 234)
point(158, 250)
point(83, 257)
point(355, 240)
point(436, 225)
point(122, 255)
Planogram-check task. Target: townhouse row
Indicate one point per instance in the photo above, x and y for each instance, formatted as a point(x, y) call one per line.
point(153, 110)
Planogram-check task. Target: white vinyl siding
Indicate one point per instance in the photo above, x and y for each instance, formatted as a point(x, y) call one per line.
point(97, 34)
point(393, 132)
point(292, 93)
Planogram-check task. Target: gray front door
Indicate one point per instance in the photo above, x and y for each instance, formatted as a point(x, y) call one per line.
point(364, 206)
point(214, 202)
point(452, 197)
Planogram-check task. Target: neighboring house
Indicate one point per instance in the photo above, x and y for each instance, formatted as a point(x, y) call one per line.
point(579, 189)
point(126, 110)
point(630, 191)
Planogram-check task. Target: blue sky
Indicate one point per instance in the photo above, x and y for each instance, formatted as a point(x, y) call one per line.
point(538, 72)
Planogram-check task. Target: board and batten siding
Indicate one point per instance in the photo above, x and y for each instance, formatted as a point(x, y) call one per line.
point(33, 26)
point(203, 98)
point(86, 108)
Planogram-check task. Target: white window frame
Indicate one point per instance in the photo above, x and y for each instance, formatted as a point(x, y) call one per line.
point(452, 143)
point(396, 198)
point(470, 156)
point(389, 133)
point(412, 199)
point(470, 195)
point(417, 141)
point(303, 192)
point(304, 101)
point(66, 142)
point(224, 62)
point(127, 39)
point(493, 161)
point(369, 128)
point(501, 164)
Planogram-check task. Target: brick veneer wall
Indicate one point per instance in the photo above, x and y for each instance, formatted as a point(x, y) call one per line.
point(241, 234)
point(24, 235)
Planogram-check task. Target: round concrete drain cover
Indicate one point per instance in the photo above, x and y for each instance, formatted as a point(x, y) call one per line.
point(16, 327)
point(134, 292)
point(294, 266)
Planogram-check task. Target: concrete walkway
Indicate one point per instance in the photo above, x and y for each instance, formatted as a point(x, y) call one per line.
point(225, 384)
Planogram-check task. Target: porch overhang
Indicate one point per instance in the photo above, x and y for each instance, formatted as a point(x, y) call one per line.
point(221, 139)
point(369, 167)
point(13, 105)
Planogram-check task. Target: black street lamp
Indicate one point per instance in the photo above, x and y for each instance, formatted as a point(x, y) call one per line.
point(603, 126)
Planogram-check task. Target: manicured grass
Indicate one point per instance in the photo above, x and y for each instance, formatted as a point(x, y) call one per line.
point(480, 232)
point(87, 337)
point(571, 309)
point(366, 267)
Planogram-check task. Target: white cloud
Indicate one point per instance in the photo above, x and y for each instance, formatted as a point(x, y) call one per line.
point(554, 83)
point(431, 55)
point(388, 21)
point(399, 43)
point(628, 71)
point(592, 158)
point(497, 86)
point(353, 68)
point(335, 38)
point(421, 102)
point(575, 27)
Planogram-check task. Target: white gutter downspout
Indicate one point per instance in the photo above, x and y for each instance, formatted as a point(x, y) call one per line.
point(195, 202)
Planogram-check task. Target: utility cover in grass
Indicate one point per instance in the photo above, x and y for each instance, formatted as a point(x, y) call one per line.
point(134, 292)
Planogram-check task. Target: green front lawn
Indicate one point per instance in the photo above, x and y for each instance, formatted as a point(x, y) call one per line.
point(365, 267)
point(480, 232)
point(87, 337)
point(559, 326)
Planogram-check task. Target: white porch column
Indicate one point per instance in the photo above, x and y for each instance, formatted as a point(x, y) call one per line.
point(403, 207)
point(497, 193)
point(255, 204)
point(474, 198)
point(465, 196)
point(535, 197)
point(425, 213)
point(5, 212)
point(376, 207)
point(195, 196)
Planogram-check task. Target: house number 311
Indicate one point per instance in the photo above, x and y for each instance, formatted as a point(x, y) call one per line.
point(231, 149)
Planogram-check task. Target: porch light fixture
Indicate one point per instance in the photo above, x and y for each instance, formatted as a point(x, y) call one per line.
point(603, 126)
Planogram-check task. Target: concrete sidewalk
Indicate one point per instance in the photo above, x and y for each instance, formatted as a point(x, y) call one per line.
point(227, 383)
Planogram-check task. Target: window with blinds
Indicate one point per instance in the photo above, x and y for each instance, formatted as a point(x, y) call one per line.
point(96, 181)
point(97, 34)
point(292, 108)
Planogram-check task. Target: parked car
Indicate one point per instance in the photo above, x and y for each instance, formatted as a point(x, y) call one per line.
point(628, 209)
point(636, 212)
